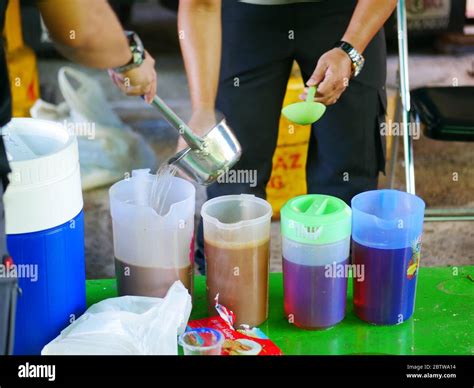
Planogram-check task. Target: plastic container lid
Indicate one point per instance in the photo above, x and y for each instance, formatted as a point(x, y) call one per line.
point(45, 182)
point(387, 219)
point(316, 219)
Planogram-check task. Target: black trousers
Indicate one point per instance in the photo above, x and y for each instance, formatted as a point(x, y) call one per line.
point(259, 45)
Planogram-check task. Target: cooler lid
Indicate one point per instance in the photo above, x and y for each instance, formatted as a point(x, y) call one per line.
point(38, 151)
point(45, 184)
point(316, 219)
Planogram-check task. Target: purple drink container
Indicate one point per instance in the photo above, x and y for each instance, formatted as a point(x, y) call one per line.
point(386, 232)
point(316, 232)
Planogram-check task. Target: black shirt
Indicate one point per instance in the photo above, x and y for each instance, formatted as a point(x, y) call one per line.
point(5, 96)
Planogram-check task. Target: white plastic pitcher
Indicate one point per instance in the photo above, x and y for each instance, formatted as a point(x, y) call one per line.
point(152, 251)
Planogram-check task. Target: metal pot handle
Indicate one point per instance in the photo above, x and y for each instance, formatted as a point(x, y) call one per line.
point(195, 142)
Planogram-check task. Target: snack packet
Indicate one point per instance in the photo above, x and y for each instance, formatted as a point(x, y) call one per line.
point(241, 341)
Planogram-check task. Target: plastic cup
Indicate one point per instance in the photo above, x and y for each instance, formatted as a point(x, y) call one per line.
point(386, 243)
point(237, 250)
point(202, 342)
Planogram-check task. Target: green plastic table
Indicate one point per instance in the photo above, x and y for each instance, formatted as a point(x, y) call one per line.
point(443, 323)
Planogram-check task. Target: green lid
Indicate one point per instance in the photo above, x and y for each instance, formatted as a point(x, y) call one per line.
point(316, 219)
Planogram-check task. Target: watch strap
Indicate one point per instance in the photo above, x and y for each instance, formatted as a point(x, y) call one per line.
point(137, 50)
point(356, 58)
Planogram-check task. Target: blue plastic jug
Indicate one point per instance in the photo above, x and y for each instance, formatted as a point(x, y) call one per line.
point(45, 230)
point(386, 242)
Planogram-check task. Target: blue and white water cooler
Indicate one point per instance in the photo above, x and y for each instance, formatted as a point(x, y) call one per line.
point(45, 230)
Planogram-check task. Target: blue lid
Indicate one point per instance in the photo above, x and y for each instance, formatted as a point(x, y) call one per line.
point(387, 219)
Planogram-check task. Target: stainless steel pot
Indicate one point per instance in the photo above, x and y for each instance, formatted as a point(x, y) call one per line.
point(208, 157)
point(219, 153)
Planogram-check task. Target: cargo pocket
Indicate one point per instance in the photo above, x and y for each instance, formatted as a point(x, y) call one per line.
point(381, 141)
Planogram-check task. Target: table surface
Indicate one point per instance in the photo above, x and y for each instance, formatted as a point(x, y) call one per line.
point(443, 323)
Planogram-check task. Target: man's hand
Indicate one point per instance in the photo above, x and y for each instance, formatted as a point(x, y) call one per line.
point(140, 81)
point(331, 76)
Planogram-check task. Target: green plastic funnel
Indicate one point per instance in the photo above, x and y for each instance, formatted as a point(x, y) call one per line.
point(306, 112)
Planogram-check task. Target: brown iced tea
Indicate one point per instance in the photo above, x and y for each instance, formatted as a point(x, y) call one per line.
point(150, 281)
point(239, 274)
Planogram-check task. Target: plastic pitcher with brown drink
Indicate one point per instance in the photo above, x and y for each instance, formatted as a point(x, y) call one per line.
point(153, 246)
point(237, 250)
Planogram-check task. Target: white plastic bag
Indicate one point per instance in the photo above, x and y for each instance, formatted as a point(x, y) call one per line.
point(127, 325)
point(107, 147)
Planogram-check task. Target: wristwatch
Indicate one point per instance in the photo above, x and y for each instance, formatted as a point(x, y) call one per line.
point(138, 52)
point(356, 58)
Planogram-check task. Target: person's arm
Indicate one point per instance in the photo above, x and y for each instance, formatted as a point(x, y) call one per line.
point(89, 33)
point(199, 24)
point(368, 18)
point(334, 68)
point(86, 32)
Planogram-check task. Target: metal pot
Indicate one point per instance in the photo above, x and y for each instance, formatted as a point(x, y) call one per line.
point(220, 151)
point(207, 157)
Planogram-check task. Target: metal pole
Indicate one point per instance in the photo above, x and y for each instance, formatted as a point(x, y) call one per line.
point(456, 214)
point(405, 95)
point(395, 140)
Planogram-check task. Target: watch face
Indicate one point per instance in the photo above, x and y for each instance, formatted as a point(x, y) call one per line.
point(136, 44)
point(357, 61)
point(356, 58)
point(137, 50)
point(137, 57)
point(359, 65)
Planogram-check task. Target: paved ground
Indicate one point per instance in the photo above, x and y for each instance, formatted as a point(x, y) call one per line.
point(444, 243)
